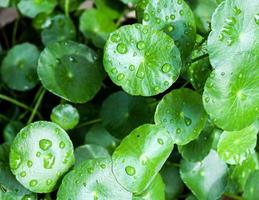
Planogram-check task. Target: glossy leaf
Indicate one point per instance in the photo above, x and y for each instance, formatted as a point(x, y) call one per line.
point(70, 70)
point(182, 114)
point(175, 18)
point(40, 154)
point(93, 179)
point(11, 129)
point(235, 28)
point(156, 191)
point(65, 115)
point(252, 186)
point(234, 147)
point(130, 113)
point(230, 89)
point(142, 60)
point(31, 8)
point(140, 156)
point(19, 67)
point(60, 28)
point(90, 151)
point(201, 181)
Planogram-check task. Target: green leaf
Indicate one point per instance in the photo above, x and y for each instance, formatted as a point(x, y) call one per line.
point(11, 129)
point(182, 114)
point(70, 70)
point(4, 153)
point(140, 156)
point(60, 28)
point(240, 173)
point(73, 5)
point(130, 1)
point(65, 115)
point(88, 152)
point(206, 179)
point(40, 154)
point(19, 67)
point(252, 186)
point(4, 3)
point(175, 18)
point(234, 147)
point(93, 179)
point(235, 28)
point(156, 190)
point(130, 113)
point(31, 8)
point(173, 183)
point(142, 60)
point(233, 90)
point(96, 25)
point(198, 149)
point(107, 140)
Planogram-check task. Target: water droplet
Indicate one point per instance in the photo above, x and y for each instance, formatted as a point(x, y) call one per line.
point(72, 59)
point(114, 71)
point(178, 131)
point(33, 183)
point(122, 48)
point(222, 73)
point(158, 20)
point(38, 154)
point(29, 163)
point(140, 73)
point(45, 144)
point(187, 121)
point(256, 18)
point(23, 174)
point(221, 37)
point(62, 145)
point(141, 45)
point(90, 170)
point(160, 141)
point(131, 67)
point(242, 96)
point(48, 161)
point(179, 1)
point(166, 68)
point(103, 166)
point(120, 76)
point(240, 75)
point(16, 161)
point(49, 181)
point(230, 42)
point(115, 38)
point(130, 170)
point(181, 12)
point(146, 17)
point(170, 28)
point(166, 83)
point(207, 99)
point(237, 10)
point(172, 17)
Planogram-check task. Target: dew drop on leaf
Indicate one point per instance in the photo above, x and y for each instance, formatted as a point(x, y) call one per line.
point(122, 48)
point(166, 68)
point(62, 145)
point(160, 141)
point(16, 161)
point(130, 170)
point(120, 76)
point(33, 183)
point(45, 144)
point(23, 174)
point(48, 161)
point(141, 45)
point(29, 163)
point(131, 67)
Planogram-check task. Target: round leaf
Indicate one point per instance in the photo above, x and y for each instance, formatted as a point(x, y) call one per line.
point(252, 186)
point(11, 129)
point(206, 179)
point(19, 67)
point(182, 114)
point(70, 70)
point(65, 115)
point(234, 147)
point(175, 18)
point(235, 27)
point(31, 8)
point(142, 60)
point(140, 156)
point(130, 113)
point(40, 154)
point(233, 90)
point(60, 28)
point(93, 179)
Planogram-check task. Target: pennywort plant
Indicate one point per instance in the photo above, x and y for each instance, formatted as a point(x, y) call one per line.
point(129, 100)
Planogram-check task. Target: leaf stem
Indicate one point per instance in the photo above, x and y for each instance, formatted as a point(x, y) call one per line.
point(87, 123)
point(67, 8)
point(15, 31)
point(200, 57)
point(233, 196)
point(37, 105)
point(15, 102)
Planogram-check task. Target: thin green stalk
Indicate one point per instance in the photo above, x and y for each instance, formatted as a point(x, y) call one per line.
point(4, 117)
point(233, 196)
point(37, 105)
point(15, 31)
point(200, 57)
point(15, 102)
point(67, 8)
point(5, 38)
point(87, 123)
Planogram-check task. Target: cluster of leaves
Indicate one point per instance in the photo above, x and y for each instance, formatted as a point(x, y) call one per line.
point(95, 96)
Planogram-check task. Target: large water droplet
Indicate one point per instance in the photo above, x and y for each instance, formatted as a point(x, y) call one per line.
point(29, 163)
point(146, 17)
point(256, 18)
point(120, 76)
point(122, 48)
point(131, 67)
point(172, 17)
point(114, 71)
point(130, 170)
point(45, 144)
point(179, 2)
point(166, 68)
point(16, 161)
point(48, 161)
point(23, 174)
point(140, 73)
point(115, 38)
point(33, 183)
point(181, 12)
point(62, 145)
point(187, 121)
point(160, 141)
point(141, 45)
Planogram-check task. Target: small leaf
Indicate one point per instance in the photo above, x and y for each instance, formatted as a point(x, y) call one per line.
point(70, 70)
point(252, 186)
point(182, 114)
point(201, 181)
point(93, 179)
point(11, 129)
point(142, 60)
point(19, 67)
point(234, 147)
point(140, 156)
